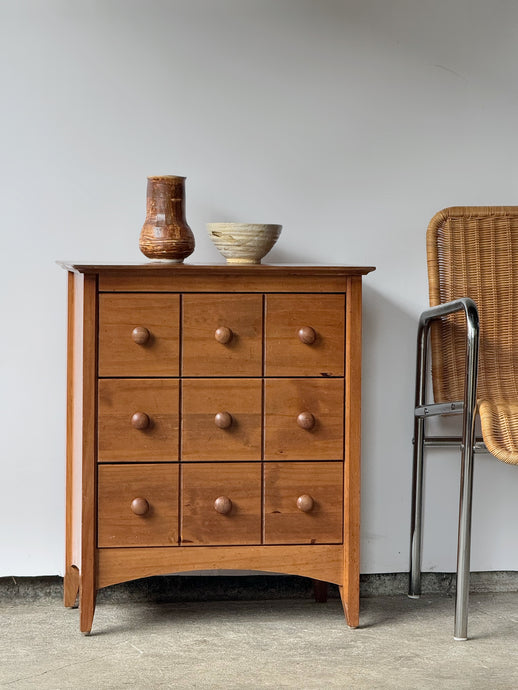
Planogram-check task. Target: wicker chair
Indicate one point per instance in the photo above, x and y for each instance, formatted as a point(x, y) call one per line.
point(473, 284)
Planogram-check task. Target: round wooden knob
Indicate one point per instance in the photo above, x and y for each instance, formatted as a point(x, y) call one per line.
point(305, 503)
point(223, 335)
point(140, 421)
point(306, 420)
point(223, 505)
point(140, 335)
point(139, 506)
point(307, 335)
point(223, 420)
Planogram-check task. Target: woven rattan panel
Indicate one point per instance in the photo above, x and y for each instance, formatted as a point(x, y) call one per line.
point(473, 252)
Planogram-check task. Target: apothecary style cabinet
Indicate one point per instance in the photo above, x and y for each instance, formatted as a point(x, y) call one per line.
point(213, 423)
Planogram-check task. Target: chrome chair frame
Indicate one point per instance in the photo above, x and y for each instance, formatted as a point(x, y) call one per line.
point(467, 443)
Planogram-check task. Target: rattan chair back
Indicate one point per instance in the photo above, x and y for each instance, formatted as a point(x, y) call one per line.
point(473, 252)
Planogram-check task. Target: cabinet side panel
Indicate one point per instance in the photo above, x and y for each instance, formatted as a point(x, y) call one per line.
point(86, 443)
point(75, 419)
point(353, 354)
point(89, 427)
point(71, 579)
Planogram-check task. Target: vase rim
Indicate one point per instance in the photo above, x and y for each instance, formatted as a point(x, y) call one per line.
point(166, 177)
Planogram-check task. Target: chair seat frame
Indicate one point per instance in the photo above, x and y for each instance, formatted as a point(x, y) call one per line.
point(468, 446)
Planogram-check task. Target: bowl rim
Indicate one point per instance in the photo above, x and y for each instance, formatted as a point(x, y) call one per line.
point(256, 226)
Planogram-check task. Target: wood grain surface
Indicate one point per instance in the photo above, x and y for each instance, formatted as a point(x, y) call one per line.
point(284, 483)
point(285, 400)
point(286, 354)
point(119, 400)
point(119, 354)
point(119, 485)
point(202, 438)
point(202, 484)
point(322, 562)
point(350, 591)
point(203, 354)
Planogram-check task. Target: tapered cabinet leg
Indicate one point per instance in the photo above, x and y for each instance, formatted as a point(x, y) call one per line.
point(71, 587)
point(87, 600)
point(351, 609)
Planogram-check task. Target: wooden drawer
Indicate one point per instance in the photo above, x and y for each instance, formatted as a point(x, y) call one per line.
point(157, 488)
point(304, 419)
point(237, 321)
point(234, 404)
point(150, 352)
point(232, 488)
point(317, 349)
point(303, 502)
point(138, 420)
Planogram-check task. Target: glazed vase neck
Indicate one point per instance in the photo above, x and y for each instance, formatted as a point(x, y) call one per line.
point(166, 199)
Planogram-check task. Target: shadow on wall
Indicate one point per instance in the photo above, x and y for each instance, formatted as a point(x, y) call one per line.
point(281, 256)
point(389, 336)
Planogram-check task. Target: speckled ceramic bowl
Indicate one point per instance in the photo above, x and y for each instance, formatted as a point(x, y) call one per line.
point(243, 243)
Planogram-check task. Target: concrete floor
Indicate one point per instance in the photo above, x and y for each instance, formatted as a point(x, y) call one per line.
point(401, 643)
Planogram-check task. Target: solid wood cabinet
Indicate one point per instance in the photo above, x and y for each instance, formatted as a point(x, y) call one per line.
point(213, 423)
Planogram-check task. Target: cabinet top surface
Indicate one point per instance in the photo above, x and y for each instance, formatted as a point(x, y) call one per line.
point(234, 269)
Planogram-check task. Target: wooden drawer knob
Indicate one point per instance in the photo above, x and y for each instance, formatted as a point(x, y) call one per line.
point(223, 505)
point(140, 335)
point(223, 335)
point(307, 335)
point(305, 503)
point(139, 506)
point(140, 421)
point(306, 420)
point(223, 420)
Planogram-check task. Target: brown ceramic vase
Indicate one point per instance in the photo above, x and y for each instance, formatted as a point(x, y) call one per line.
point(165, 235)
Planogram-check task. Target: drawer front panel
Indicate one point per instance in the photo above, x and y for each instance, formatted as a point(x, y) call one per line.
point(221, 419)
point(138, 420)
point(304, 335)
point(222, 335)
point(304, 419)
point(137, 505)
point(221, 503)
point(303, 502)
point(139, 335)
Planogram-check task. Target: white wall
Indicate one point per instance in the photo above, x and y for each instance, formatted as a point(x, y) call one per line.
point(350, 122)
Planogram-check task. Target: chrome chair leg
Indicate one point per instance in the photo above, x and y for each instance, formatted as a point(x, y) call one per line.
point(414, 585)
point(416, 529)
point(466, 477)
point(464, 547)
